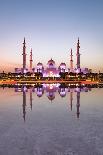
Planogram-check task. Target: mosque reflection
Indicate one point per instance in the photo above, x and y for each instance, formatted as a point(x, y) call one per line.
point(50, 90)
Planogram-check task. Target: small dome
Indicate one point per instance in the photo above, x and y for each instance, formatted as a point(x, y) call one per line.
point(62, 64)
point(39, 64)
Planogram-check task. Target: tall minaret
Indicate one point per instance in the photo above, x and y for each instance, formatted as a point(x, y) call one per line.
point(71, 61)
point(31, 60)
point(78, 54)
point(24, 55)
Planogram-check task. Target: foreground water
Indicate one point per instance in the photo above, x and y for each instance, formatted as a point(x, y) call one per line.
point(51, 120)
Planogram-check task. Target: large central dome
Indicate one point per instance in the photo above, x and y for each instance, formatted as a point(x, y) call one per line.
point(51, 70)
point(51, 63)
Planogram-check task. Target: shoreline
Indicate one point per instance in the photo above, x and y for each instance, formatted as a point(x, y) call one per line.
point(48, 82)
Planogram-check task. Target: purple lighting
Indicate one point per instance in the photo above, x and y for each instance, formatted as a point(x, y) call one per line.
point(51, 70)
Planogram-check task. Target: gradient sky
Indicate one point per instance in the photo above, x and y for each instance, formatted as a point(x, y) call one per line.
point(51, 29)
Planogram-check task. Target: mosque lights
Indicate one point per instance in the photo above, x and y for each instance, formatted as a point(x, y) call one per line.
point(51, 91)
point(51, 70)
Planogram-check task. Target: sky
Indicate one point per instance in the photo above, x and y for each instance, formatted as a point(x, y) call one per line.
point(51, 29)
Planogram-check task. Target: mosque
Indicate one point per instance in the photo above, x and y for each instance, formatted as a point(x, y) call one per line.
point(51, 70)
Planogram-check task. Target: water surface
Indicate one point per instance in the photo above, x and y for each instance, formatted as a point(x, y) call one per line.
point(51, 120)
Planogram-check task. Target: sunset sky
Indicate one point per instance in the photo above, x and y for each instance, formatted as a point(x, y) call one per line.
point(51, 29)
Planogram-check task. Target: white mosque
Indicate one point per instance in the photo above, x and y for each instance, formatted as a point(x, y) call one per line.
point(51, 70)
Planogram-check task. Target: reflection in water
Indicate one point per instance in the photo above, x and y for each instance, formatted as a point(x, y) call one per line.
point(50, 90)
point(24, 104)
point(78, 104)
point(39, 91)
point(31, 99)
point(30, 124)
point(71, 99)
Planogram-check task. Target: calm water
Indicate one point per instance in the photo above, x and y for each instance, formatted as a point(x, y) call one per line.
point(51, 120)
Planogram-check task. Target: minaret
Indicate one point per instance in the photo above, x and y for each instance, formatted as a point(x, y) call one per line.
point(78, 54)
point(31, 60)
point(71, 61)
point(24, 55)
point(78, 104)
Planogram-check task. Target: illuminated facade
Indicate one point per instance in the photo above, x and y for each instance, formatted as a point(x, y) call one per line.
point(52, 70)
point(50, 91)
